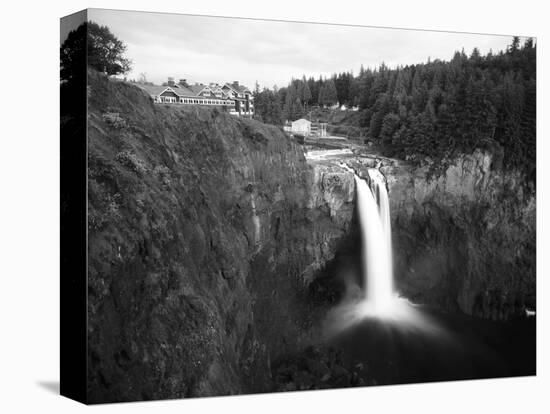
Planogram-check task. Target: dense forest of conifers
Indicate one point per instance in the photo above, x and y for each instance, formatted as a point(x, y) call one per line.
point(433, 110)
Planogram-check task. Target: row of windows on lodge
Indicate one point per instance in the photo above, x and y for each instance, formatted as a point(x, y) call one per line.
point(172, 99)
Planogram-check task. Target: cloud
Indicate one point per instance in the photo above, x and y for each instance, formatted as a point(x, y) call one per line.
point(207, 49)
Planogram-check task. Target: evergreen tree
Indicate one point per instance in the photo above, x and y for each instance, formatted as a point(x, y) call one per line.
point(433, 110)
point(390, 124)
point(514, 47)
point(306, 92)
point(381, 109)
point(321, 98)
point(290, 97)
point(330, 96)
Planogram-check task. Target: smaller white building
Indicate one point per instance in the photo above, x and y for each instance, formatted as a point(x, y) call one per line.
point(301, 127)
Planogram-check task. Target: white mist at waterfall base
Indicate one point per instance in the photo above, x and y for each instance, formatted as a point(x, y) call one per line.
point(377, 299)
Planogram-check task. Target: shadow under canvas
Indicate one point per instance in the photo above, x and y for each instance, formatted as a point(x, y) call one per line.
point(51, 386)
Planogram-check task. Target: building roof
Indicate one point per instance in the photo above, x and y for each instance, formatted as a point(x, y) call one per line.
point(197, 88)
point(243, 89)
point(237, 88)
point(301, 121)
point(157, 90)
point(183, 91)
point(153, 89)
point(189, 91)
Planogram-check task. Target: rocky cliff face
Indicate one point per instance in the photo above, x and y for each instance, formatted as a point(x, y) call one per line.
point(205, 231)
point(209, 236)
point(465, 239)
point(331, 206)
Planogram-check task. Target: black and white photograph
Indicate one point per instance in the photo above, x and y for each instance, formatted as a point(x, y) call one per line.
point(274, 207)
point(280, 206)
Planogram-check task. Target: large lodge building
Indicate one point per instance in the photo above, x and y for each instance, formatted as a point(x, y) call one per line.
point(236, 98)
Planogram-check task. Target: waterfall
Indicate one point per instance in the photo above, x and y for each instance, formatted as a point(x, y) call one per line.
point(374, 220)
point(378, 299)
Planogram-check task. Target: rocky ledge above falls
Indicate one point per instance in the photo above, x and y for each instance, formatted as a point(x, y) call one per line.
point(333, 189)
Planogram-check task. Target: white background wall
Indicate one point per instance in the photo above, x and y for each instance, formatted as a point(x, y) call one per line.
point(29, 208)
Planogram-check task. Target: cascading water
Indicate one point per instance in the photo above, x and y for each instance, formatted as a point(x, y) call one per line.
point(378, 299)
point(374, 220)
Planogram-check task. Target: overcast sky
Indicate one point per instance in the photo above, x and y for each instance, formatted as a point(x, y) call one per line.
point(214, 49)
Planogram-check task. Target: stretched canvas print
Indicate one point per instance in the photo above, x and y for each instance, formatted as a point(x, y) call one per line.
point(254, 206)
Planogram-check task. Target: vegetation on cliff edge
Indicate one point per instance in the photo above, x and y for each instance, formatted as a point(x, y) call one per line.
point(431, 111)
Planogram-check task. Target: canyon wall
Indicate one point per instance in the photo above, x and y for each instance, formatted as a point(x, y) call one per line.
point(464, 239)
point(204, 233)
point(211, 241)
